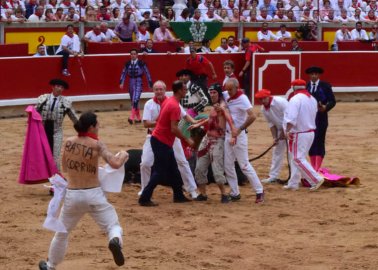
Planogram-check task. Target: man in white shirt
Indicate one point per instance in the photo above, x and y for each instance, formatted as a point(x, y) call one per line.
point(69, 45)
point(231, 44)
point(38, 15)
point(342, 34)
point(299, 126)
point(95, 35)
point(223, 48)
point(264, 34)
point(273, 109)
point(236, 141)
point(282, 34)
point(358, 33)
point(109, 33)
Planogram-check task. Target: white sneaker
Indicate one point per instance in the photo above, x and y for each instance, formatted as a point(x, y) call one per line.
point(140, 192)
point(318, 185)
point(288, 187)
point(269, 180)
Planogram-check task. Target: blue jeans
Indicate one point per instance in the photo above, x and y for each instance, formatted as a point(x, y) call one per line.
point(164, 170)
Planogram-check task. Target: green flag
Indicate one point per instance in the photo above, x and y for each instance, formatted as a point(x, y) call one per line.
point(196, 30)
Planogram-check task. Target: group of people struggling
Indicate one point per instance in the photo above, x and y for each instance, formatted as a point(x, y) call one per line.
point(299, 120)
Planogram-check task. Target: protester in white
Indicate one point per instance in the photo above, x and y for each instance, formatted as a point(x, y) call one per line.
point(151, 113)
point(299, 126)
point(273, 109)
point(236, 141)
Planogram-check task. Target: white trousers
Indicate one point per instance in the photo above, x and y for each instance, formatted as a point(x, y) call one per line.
point(278, 156)
point(300, 168)
point(239, 152)
point(76, 204)
point(147, 161)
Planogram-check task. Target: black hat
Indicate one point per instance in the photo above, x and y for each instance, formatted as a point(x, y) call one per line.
point(184, 72)
point(217, 87)
point(245, 40)
point(314, 69)
point(59, 82)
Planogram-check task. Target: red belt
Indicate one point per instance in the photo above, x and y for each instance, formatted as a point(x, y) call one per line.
point(310, 130)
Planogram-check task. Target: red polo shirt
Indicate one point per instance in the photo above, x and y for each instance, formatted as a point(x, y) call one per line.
point(170, 111)
point(251, 50)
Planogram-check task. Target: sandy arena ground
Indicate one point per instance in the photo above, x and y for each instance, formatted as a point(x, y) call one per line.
point(335, 228)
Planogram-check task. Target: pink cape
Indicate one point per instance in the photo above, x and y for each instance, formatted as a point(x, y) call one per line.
point(37, 160)
point(334, 180)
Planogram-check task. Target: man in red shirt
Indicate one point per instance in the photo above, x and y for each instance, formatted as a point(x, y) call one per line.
point(245, 73)
point(198, 65)
point(162, 139)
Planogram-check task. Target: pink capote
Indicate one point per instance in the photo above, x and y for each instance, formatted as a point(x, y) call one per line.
point(37, 160)
point(334, 180)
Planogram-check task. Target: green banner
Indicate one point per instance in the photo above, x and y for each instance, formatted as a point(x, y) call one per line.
point(196, 30)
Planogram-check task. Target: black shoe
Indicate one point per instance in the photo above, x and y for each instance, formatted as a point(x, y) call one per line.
point(225, 199)
point(115, 248)
point(138, 121)
point(43, 265)
point(235, 198)
point(130, 121)
point(182, 199)
point(147, 203)
point(201, 198)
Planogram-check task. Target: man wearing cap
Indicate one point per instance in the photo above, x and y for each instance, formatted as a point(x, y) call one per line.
point(249, 50)
point(53, 108)
point(299, 127)
point(211, 150)
point(322, 92)
point(198, 65)
point(195, 99)
point(273, 109)
point(236, 142)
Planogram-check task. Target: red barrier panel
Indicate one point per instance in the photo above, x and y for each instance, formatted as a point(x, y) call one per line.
point(9, 50)
point(102, 73)
point(357, 46)
point(125, 47)
point(286, 46)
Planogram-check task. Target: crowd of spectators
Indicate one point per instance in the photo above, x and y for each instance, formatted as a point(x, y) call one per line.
point(193, 10)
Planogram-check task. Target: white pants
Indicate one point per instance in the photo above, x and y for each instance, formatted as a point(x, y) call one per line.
point(76, 204)
point(239, 152)
point(300, 168)
point(147, 161)
point(278, 155)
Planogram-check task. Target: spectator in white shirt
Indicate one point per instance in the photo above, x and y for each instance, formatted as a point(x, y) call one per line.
point(264, 15)
point(211, 16)
point(264, 34)
point(223, 48)
point(231, 44)
point(184, 16)
point(203, 7)
point(358, 33)
point(38, 15)
point(342, 34)
point(144, 35)
point(72, 16)
point(109, 33)
point(119, 4)
point(95, 35)
point(197, 17)
point(282, 34)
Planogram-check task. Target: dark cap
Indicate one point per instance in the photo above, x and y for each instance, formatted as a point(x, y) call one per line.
point(59, 82)
point(314, 69)
point(216, 87)
point(146, 12)
point(245, 40)
point(184, 72)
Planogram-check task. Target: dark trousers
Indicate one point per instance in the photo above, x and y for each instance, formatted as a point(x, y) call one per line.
point(164, 170)
point(126, 39)
point(66, 56)
point(247, 83)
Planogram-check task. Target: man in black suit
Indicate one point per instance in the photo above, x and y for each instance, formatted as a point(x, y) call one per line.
point(322, 92)
point(148, 47)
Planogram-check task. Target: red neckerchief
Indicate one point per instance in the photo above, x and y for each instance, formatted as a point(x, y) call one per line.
point(88, 134)
point(159, 101)
point(303, 91)
point(143, 31)
point(5, 5)
point(238, 94)
point(267, 107)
